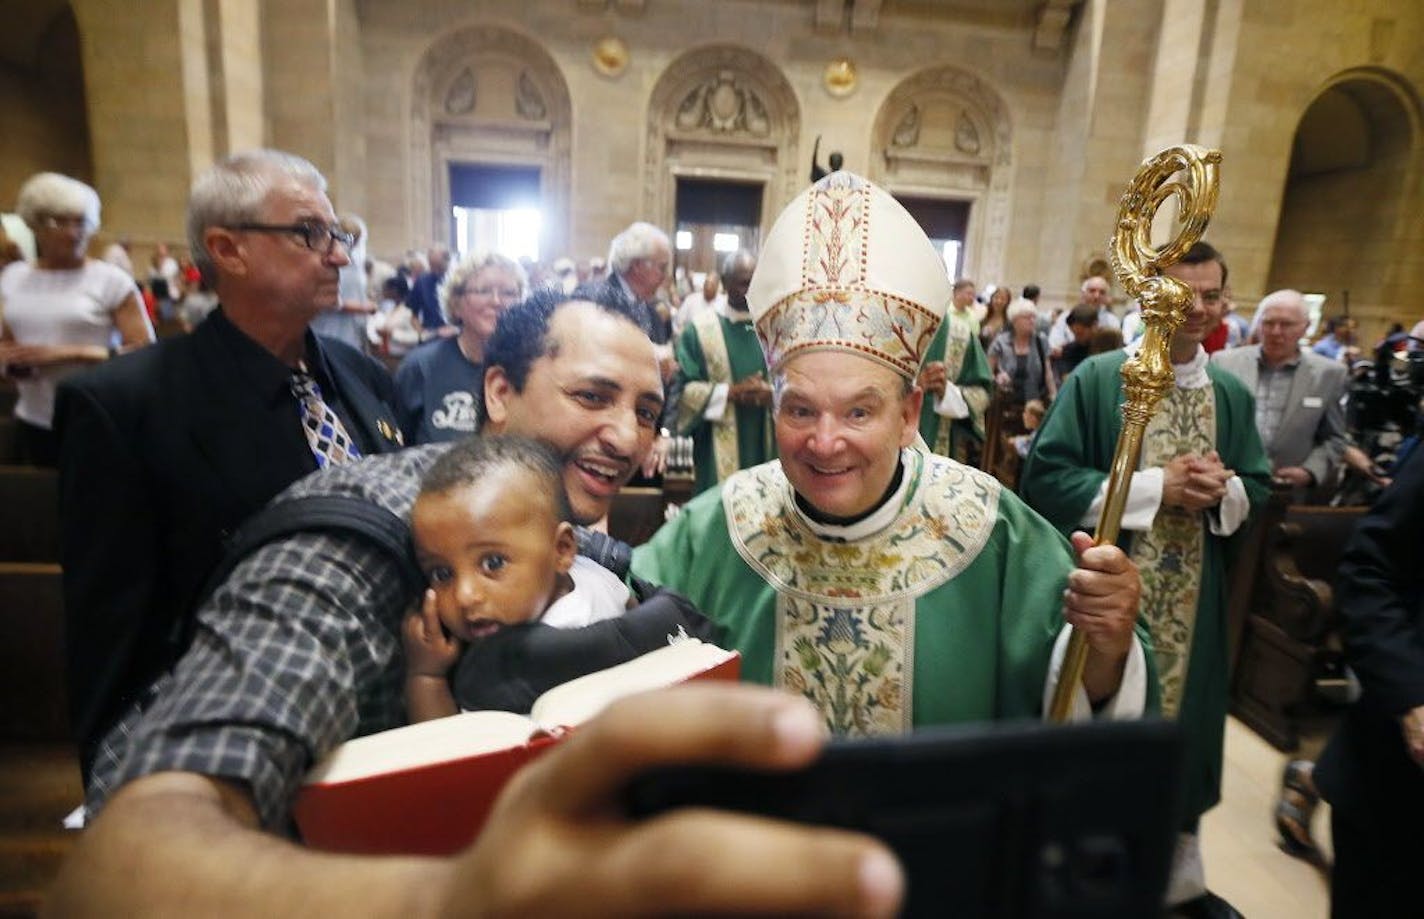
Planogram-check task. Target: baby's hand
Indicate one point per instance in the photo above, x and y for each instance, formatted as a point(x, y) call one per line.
point(429, 649)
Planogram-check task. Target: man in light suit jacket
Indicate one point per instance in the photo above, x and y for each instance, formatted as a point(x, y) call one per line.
point(164, 452)
point(1298, 393)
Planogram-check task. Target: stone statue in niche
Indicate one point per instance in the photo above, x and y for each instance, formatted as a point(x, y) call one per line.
point(725, 105)
point(528, 101)
point(460, 97)
point(907, 132)
point(966, 135)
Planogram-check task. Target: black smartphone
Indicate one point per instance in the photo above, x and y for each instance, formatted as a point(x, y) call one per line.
point(1005, 820)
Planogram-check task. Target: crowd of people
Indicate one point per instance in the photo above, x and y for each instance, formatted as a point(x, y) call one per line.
point(853, 534)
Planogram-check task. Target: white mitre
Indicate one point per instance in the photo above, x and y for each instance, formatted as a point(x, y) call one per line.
point(846, 268)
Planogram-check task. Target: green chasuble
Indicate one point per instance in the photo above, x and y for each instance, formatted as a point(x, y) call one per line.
point(942, 608)
point(1184, 566)
point(957, 344)
point(714, 349)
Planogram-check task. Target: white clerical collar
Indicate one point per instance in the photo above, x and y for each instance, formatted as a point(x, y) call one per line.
point(735, 315)
point(877, 520)
point(1191, 375)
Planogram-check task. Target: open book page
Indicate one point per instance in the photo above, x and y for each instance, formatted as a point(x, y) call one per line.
point(576, 701)
point(450, 738)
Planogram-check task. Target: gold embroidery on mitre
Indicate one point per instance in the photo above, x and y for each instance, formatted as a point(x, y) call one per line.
point(885, 328)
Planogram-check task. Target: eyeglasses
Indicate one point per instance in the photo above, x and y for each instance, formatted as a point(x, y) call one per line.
point(318, 237)
point(62, 222)
point(507, 294)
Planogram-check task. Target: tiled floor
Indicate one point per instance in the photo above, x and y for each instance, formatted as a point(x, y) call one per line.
point(1243, 863)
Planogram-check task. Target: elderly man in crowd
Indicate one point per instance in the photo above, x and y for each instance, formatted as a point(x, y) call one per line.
point(1095, 294)
point(1201, 473)
point(639, 261)
point(1298, 393)
point(165, 451)
point(892, 587)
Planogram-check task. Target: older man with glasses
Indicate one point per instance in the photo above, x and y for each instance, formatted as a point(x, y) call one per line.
point(164, 452)
point(1298, 394)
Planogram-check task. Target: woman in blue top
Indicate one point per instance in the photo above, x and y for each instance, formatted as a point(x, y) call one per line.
point(439, 383)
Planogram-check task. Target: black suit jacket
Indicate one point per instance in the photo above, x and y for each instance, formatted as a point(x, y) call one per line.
point(1365, 771)
point(164, 452)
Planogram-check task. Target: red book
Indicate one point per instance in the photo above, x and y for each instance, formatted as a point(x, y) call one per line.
point(426, 789)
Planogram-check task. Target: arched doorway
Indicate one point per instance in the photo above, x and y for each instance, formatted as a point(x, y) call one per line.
point(942, 142)
point(491, 102)
point(1349, 225)
point(723, 127)
point(42, 96)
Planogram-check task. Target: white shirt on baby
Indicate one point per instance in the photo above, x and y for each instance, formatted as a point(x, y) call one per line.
point(597, 595)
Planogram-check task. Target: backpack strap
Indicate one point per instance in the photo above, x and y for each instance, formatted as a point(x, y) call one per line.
point(323, 513)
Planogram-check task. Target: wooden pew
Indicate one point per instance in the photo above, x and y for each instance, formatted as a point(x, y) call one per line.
point(638, 511)
point(32, 693)
point(39, 771)
point(9, 448)
point(30, 499)
point(1290, 635)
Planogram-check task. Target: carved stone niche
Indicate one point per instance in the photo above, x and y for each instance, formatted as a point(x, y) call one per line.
point(494, 90)
point(721, 111)
point(487, 94)
point(944, 132)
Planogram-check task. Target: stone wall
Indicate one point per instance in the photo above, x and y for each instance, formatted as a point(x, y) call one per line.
point(1050, 137)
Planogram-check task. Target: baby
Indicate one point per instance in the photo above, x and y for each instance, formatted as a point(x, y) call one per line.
point(493, 537)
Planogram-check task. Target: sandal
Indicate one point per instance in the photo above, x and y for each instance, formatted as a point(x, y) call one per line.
point(1294, 808)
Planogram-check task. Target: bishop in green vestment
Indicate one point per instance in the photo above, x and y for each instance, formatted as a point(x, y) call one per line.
point(1203, 470)
point(726, 397)
point(891, 587)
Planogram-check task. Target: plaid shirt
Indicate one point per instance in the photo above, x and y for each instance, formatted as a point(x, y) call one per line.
point(298, 651)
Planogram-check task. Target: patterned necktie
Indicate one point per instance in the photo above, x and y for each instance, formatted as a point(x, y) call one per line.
point(330, 443)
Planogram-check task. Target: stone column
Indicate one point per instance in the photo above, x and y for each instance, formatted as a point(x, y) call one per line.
point(313, 81)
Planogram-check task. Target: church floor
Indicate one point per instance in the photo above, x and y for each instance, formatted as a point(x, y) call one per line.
point(1243, 863)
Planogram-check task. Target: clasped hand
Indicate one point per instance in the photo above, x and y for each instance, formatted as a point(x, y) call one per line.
point(933, 377)
point(752, 390)
point(1195, 483)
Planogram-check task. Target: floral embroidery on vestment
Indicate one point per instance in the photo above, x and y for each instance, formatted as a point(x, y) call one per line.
point(1170, 556)
point(846, 609)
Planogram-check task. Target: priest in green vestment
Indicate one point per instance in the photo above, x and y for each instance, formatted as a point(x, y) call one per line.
point(893, 588)
point(958, 385)
point(726, 396)
point(1202, 471)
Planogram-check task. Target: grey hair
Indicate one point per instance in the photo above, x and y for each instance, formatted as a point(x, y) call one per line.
point(52, 193)
point(733, 259)
point(1020, 307)
point(472, 265)
point(1284, 297)
point(640, 240)
point(234, 189)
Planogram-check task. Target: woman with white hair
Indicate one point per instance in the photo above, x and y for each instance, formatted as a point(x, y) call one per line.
point(1018, 357)
point(65, 311)
point(439, 385)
